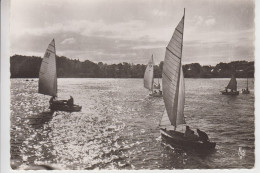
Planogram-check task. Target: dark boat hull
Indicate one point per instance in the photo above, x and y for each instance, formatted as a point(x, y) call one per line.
point(61, 105)
point(159, 94)
point(245, 92)
point(177, 139)
point(230, 93)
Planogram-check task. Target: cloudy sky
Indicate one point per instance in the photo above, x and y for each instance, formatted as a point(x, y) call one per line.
point(114, 31)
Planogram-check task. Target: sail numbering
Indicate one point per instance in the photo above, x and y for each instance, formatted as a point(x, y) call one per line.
point(174, 98)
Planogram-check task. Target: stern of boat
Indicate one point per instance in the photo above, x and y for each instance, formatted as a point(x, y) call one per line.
point(177, 139)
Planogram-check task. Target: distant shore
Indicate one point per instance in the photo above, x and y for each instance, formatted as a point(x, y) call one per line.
point(28, 67)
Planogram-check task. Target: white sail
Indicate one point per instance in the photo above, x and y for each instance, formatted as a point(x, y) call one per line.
point(181, 101)
point(48, 72)
point(165, 122)
point(172, 77)
point(148, 75)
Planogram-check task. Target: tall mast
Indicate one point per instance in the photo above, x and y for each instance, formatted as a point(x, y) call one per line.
point(153, 74)
point(247, 82)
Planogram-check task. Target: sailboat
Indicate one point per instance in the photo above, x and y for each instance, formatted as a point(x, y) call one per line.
point(246, 91)
point(149, 80)
point(173, 118)
point(48, 81)
point(231, 88)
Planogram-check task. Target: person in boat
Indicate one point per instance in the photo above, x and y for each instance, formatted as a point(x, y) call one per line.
point(70, 101)
point(156, 86)
point(202, 136)
point(52, 99)
point(225, 89)
point(190, 134)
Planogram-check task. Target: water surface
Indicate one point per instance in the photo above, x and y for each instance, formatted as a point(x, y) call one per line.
point(118, 126)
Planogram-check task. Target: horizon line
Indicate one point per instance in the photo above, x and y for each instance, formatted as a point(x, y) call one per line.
point(128, 62)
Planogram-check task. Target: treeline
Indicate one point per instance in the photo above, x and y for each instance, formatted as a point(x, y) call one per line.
point(28, 67)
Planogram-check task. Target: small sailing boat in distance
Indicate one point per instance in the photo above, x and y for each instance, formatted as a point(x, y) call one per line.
point(174, 99)
point(149, 80)
point(48, 82)
point(246, 91)
point(231, 88)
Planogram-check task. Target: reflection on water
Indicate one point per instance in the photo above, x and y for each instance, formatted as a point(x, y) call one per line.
point(118, 126)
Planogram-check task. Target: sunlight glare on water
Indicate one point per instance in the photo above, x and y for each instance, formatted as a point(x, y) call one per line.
point(117, 127)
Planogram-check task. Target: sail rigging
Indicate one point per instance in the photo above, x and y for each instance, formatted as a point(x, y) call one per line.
point(148, 75)
point(232, 83)
point(48, 73)
point(172, 77)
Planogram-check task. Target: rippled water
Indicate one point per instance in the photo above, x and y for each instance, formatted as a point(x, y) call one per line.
point(118, 126)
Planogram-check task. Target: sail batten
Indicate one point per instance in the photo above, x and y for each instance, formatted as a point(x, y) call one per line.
point(48, 73)
point(172, 78)
point(148, 75)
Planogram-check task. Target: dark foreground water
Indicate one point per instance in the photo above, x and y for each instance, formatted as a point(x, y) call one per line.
point(118, 126)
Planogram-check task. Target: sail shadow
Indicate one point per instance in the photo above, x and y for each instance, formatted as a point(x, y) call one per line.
point(37, 121)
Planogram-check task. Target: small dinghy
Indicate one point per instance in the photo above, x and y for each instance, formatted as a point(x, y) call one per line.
point(62, 105)
point(149, 80)
point(231, 88)
point(48, 82)
point(246, 91)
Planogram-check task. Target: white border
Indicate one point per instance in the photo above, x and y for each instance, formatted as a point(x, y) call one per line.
point(5, 87)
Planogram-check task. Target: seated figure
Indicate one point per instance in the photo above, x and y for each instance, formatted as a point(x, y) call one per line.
point(189, 134)
point(70, 101)
point(52, 100)
point(203, 136)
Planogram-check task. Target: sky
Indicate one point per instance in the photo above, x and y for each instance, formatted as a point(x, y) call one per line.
point(115, 31)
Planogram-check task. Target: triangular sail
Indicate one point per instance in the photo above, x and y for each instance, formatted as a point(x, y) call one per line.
point(232, 83)
point(148, 75)
point(48, 72)
point(171, 77)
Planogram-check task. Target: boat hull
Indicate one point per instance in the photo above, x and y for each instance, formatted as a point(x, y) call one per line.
point(158, 94)
point(61, 105)
point(230, 93)
point(177, 139)
point(245, 92)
